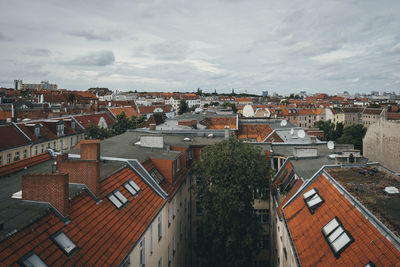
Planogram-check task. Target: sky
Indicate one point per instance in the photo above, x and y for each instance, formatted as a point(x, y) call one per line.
point(251, 46)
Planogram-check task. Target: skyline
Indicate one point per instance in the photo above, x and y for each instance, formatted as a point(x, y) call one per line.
point(256, 46)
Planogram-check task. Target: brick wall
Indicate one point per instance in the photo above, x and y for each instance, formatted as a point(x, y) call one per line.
point(164, 166)
point(90, 149)
point(47, 187)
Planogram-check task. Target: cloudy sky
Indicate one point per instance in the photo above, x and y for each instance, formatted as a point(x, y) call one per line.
point(249, 45)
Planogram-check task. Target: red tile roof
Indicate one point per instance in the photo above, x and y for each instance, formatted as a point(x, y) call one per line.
point(24, 163)
point(150, 109)
point(373, 111)
point(88, 119)
point(392, 116)
point(11, 137)
point(104, 234)
point(311, 246)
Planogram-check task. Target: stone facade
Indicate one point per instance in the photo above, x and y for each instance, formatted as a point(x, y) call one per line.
point(382, 143)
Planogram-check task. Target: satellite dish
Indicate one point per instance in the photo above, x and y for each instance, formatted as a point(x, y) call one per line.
point(283, 123)
point(301, 133)
point(331, 145)
point(292, 131)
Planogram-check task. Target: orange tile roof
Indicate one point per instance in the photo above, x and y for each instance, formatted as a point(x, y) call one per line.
point(392, 116)
point(219, 122)
point(274, 138)
point(103, 233)
point(254, 131)
point(244, 99)
point(150, 109)
point(312, 248)
point(87, 119)
point(129, 111)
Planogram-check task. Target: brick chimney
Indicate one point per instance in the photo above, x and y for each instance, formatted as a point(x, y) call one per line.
point(87, 169)
point(47, 187)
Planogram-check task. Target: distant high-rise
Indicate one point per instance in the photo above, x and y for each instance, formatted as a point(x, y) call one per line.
point(43, 85)
point(265, 93)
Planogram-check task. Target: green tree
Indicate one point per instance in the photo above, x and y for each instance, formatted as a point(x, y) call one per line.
point(93, 131)
point(228, 175)
point(183, 107)
point(331, 131)
point(160, 117)
point(121, 124)
point(353, 134)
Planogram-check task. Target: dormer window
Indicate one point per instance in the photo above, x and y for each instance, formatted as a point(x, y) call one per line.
point(73, 124)
point(132, 187)
point(157, 175)
point(312, 199)
point(37, 130)
point(117, 199)
point(337, 237)
point(60, 127)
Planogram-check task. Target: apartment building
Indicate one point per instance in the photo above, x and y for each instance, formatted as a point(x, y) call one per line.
point(318, 221)
point(14, 145)
point(371, 115)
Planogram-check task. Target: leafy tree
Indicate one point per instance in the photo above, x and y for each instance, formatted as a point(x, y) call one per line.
point(206, 105)
point(183, 107)
point(285, 102)
point(228, 175)
point(374, 105)
point(353, 134)
point(160, 117)
point(93, 131)
point(121, 124)
point(331, 131)
point(193, 108)
point(231, 105)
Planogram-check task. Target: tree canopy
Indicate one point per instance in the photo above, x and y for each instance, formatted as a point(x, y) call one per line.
point(183, 107)
point(331, 131)
point(353, 134)
point(228, 175)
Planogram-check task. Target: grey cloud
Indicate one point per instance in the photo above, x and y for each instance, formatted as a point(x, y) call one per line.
point(100, 58)
point(91, 35)
point(4, 37)
point(170, 50)
point(39, 52)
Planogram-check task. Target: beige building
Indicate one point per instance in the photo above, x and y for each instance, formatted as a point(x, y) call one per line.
point(371, 116)
point(382, 143)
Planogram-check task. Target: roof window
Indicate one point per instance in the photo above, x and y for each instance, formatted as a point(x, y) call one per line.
point(132, 187)
point(117, 199)
point(312, 199)
point(64, 243)
point(32, 259)
point(336, 236)
point(157, 175)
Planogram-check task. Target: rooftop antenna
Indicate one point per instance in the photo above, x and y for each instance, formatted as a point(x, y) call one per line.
point(330, 145)
point(301, 133)
point(283, 123)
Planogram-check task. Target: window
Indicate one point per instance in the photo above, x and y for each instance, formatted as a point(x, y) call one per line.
point(169, 254)
point(173, 209)
point(173, 169)
point(160, 262)
point(173, 245)
point(8, 158)
point(37, 130)
point(169, 215)
point(61, 145)
point(312, 199)
point(157, 175)
point(16, 155)
point(178, 164)
point(117, 199)
point(132, 187)
point(72, 142)
point(336, 236)
point(151, 239)
point(185, 205)
point(159, 228)
point(180, 229)
point(66, 245)
point(142, 254)
point(42, 148)
point(369, 264)
point(263, 242)
point(1, 160)
point(31, 259)
point(263, 215)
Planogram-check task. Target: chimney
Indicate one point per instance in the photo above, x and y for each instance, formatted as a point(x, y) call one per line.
point(313, 139)
point(47, 187)
point(227, 132)
point(152, 127)
point(87, 169)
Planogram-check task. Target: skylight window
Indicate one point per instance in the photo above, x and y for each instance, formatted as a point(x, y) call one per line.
point(157, 175)
point(312, 199)
point(32, 259)
point(336, 236)
point(117, 199)
point(132, 187)
point(64, 243)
